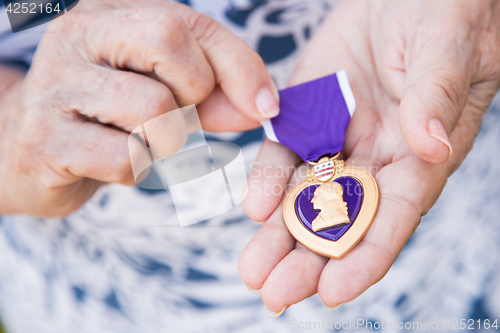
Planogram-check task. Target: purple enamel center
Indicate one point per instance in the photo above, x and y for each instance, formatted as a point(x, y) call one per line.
point(353, 196)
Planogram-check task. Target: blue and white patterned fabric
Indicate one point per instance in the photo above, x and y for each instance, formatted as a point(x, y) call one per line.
point(114, 265)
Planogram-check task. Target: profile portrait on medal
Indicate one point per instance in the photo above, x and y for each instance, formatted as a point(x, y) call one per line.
point(329, 199)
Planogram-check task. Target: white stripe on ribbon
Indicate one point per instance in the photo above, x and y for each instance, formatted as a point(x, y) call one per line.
point(268, 128)
point(346, 91)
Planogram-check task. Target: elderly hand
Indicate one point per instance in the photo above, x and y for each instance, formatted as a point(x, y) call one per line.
point(101, 71)
point(423, 74)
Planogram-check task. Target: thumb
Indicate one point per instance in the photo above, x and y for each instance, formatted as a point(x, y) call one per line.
point(436, 94)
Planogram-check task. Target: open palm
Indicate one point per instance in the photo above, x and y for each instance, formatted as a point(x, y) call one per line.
point(423, 73)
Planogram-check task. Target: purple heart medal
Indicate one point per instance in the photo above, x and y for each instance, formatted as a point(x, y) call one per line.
point(333, 208)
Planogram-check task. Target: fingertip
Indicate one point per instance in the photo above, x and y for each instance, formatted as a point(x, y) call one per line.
point(347, 288)
point(265, 188)
point(259, 203)
point(333, 297)
point(274, 314)
point(252, 290)
point(436, 153)
point(294, 278)
point(266, 249)
point(430, 150)
point(333, 307)
point(250, 202)
point(273, 305)
point(254, 212)
point(438, 131)
point(269, 180)
point(249, 268)
point(429, 111)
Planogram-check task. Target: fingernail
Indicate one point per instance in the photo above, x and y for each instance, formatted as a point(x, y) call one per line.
point(333, 307)
point(267, 104)
point(255, 291)
point(437, 131)
point(273, 314)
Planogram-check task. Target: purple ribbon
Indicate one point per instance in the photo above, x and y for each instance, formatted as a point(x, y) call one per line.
point(314, 117)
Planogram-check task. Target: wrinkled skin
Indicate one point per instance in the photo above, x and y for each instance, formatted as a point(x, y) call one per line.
point(102, 70)
point(422, 72)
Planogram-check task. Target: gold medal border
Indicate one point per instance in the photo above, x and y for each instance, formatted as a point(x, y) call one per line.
point(351, 238)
